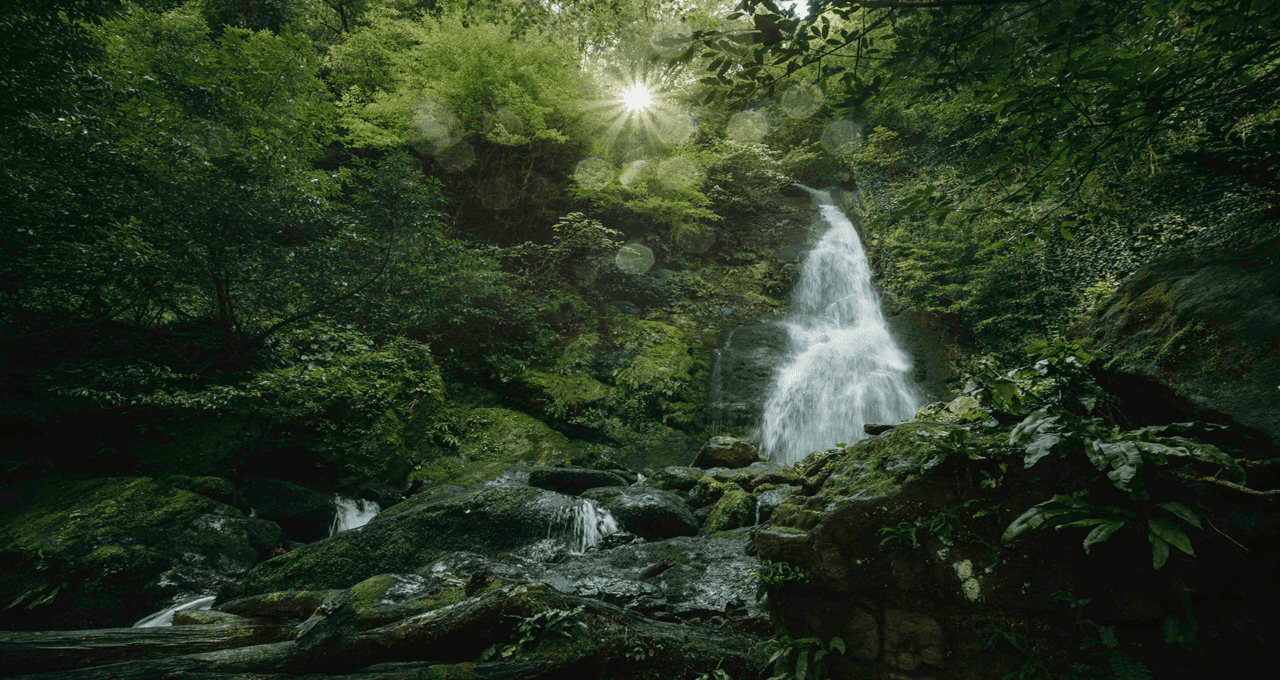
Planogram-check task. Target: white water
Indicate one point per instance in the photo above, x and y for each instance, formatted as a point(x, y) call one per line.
point(845, 370)
point(165, 616)
point(351, 513)
point(582, 525)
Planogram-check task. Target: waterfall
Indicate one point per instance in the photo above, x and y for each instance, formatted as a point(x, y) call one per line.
point(582, 525)
point(844, 369)
point(351, 513)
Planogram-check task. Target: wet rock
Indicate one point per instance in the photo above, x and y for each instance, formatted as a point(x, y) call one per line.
point(410, 534)
point(768, 500)
point(742, 373)
point(735, 509)
point(304, 514)
point(573, 481)
point(756, 474)
point(726, 452)
point(685, 578)
point(650, 513)
point(217, 488)
point(674, 478)
point(912, 639)
point(84, 553)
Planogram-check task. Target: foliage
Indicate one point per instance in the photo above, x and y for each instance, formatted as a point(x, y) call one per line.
point(943, 524)
point(358, 403)
point(778, 573)
point(1064, 398)
point(800, 659)
point(1030, 667)
point(532, 630)
point(573, 236)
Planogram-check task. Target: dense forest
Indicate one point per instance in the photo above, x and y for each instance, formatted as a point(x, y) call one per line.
point(257, 253)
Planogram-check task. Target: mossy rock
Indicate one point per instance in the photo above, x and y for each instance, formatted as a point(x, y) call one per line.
point(735, 509)
point(218, 488)
point(1205, 328)
point(674, 478)
point(92, 553)
point(411, 534)
point(497, 440)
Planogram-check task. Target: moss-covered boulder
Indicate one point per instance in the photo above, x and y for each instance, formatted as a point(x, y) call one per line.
point(735, 509)
point(674, 478)
point(304, 514)
point(1203, 327)
point(410, 534)
point(495, 441)
point(756, 474)
point(572, 480)
point(96, 553)
point(652, 514)
point(726, 452)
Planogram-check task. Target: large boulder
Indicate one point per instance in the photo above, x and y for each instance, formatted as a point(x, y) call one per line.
point(674, 478)
point(497, 440)
point(726, 452)
point(304, 514)
point(649, 513)
point(573, 481)
point(1203, 328)
point(690, 579)
point(410, 534)
point(94, 553)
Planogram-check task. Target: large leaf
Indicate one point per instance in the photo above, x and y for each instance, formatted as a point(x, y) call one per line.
point(1159, 551)
point(1171, 533)
point(1038, 434)
point(1101, 533)
point(1124, 459)
point(1184, 513)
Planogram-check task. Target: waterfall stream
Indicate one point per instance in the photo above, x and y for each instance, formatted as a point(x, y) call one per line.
point(844, 369)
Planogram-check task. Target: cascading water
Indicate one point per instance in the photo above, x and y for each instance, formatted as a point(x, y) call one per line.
point(844, 370)
point(351, 513)
point(582, 525)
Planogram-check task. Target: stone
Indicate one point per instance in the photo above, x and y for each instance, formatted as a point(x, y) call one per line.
point(573, 481)
point(98, 553)
point(412, 533)
point(649, 513)
point(768, 500)
point(727, 452)
point(1194, 337)
point(912, 639)
point(742, 373)
point(735, 509)
point(674, 478)
point(304, 514)
point(756, 474)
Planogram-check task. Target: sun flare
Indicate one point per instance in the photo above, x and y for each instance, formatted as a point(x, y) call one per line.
point(637, 97)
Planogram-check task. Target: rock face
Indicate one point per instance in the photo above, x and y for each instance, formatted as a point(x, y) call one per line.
point(1206, 328)
point(727, 452)
point(742, 375)
point(652, 514)
point(105, 552)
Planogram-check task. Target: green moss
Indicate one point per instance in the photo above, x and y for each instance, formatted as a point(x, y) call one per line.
point(734, 509)
point(497, 439)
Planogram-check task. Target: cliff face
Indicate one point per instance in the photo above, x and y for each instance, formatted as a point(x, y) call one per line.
point(1205, 328)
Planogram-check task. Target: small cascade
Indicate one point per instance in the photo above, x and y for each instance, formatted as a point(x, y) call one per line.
point(582, 525)
point(844, 368)
point(352, 513)
point(164, 617)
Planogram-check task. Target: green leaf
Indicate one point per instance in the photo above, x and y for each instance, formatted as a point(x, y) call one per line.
point(1101, 533)
point(838, 644)
point(1171, 533)
point(1159, 551)
point(802, 664)
point(1123, 457)
point(1183, 512)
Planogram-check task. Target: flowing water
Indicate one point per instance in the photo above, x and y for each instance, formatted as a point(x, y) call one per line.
point(351, 513)
point(582, 525)
point(164, 617)
point(844, 368)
